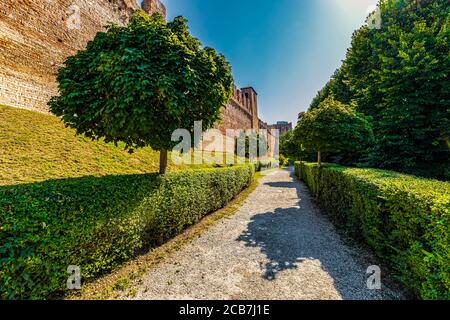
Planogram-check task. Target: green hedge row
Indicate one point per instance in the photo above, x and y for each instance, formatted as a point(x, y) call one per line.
point(405, 219)
point(97, 223)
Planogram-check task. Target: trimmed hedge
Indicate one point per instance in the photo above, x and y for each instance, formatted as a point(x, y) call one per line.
point(97, 223)
point(283, 161)
point(405, 219)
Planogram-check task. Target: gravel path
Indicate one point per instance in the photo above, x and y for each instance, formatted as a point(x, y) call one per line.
point(277, 246)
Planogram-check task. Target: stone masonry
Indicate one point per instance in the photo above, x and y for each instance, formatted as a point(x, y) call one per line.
point(36, 36)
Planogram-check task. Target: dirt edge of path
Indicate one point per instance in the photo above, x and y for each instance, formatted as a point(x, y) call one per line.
point(365, 254)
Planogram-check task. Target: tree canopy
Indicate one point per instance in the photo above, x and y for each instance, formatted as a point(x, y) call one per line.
point(290, 147)
point(333, 127)
point(137, 84)
point(255, 145)
point(399, 76)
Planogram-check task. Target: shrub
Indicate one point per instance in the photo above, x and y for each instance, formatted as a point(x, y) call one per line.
point(137, 84)
point(297, 168)
point(290, 147)
point(405, 219)
point(333, 127)
point(283, 161)
point(97, 223)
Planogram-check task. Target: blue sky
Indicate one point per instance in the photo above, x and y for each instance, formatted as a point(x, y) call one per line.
point(286, 49)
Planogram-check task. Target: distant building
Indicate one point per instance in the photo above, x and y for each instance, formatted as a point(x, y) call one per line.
point(282, 126)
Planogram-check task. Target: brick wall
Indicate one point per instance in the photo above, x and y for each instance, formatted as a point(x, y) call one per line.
point(36, 36)
point(241, 114)
point(234, 116)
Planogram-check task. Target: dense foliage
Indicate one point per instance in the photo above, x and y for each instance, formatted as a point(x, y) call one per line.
point(282, 160)
point(333, 127)
point(137, 84)
point(399, 76)
point(96, 223)
point(405, 219)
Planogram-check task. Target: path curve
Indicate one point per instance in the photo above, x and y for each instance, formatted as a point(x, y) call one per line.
point(277, 246)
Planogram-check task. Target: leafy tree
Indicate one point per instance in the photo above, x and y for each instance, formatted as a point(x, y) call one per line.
point(137, 84)
point(336, 87)
point(413, 80)
point(399, 76)
point(333, 127)
point(290, 146)
point(251, 140)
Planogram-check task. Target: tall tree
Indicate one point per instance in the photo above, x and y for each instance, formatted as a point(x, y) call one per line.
point(412, 80)
point(337, 87)
point(333, 127)
point(137, 84)
point(398, 75)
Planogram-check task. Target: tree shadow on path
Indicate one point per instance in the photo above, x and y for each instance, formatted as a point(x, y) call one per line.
point(290, 236)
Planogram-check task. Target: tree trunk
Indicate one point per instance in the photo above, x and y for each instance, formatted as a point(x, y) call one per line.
point(163, 161)
point(319, 158)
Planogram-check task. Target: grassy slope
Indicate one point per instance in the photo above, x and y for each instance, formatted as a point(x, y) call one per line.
point(35, 147)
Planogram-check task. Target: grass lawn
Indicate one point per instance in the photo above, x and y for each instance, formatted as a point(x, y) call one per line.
point(36, 147)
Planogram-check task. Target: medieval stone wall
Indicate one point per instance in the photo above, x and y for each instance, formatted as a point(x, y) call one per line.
point(235, 117)
point(36, 36)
